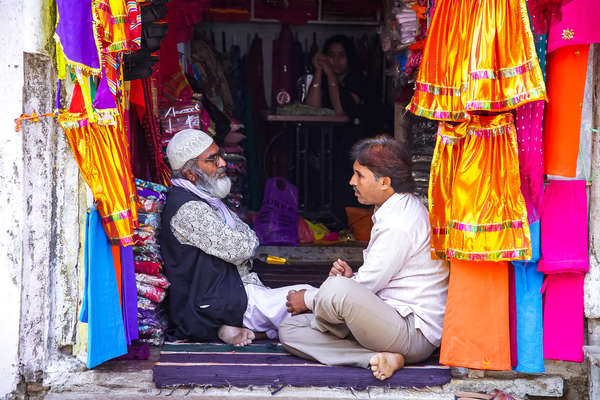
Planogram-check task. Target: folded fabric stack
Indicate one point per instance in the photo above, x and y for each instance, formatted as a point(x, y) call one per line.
point(150, 282)
point(236, 170)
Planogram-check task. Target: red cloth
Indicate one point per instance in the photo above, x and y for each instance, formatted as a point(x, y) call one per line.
point(147, 267)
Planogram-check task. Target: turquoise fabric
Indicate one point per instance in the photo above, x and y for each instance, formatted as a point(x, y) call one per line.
point(101, 308)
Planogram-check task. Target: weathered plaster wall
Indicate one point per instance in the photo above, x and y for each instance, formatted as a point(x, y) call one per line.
point(592, 281)
point(41, 213)
point(11, 196)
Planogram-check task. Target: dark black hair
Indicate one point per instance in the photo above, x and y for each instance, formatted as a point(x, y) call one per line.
point(385, 156)
point(349, 48)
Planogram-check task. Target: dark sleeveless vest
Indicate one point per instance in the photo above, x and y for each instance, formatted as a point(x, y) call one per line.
point(206, 292)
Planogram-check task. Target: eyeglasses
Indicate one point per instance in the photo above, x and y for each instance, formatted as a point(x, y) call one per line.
point(215, 157)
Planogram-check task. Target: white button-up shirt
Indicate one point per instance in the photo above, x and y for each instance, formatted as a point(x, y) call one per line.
point(398, 268)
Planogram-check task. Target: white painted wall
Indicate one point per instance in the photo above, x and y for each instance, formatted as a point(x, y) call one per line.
point(11, 191)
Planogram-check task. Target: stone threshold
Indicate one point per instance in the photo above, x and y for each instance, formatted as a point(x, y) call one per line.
point(133, 380)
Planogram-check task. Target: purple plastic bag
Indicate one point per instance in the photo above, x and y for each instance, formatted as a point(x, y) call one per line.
point(277, 220)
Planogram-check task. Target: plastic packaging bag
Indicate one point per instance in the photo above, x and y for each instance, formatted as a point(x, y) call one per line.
point(146, 304)
point(277, 220)
point(153, 293)
point(159, 280)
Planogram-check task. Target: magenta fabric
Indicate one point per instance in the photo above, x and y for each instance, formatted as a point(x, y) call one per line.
point(528, 122)
point(564, 228)
point(577, 23)
point(512, 316)
point(563, 316)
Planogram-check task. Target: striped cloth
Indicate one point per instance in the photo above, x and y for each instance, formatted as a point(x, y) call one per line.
point(266, 363)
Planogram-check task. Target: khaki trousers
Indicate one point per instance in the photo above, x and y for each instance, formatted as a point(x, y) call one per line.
point(349, 325)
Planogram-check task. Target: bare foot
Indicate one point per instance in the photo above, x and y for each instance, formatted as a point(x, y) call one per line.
point(235, 335)
point(384, 365)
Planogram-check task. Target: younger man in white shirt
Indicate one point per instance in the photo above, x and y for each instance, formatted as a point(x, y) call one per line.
point(392, 310)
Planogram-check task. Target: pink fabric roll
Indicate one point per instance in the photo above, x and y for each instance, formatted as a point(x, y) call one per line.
point(563, 316)
point(528, 122)
point(564, 228)
point(577, 23)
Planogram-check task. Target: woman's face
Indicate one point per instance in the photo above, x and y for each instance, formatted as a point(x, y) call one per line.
point(337, 58)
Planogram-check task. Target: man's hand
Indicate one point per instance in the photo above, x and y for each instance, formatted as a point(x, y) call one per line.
point(342, 268)
point(295, 302)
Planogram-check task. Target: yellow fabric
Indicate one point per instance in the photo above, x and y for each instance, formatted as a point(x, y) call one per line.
point(61, 62)
point(479, 55)
point(101, 153)
point(476, 208)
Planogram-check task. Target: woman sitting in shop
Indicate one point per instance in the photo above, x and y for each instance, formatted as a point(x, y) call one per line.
point(338, 82)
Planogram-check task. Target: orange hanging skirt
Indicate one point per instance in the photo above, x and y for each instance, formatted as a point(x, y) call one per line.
point(476, 208)
point(476, 325)
point(479, 56)
point(101, 152)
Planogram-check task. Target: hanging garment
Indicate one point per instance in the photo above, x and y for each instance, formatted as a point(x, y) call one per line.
point(101, 151)
point(541, 44)
point(75, 38)
point(576, 23)
point(118, 25)
point(128, 294)
point(476, 324)
point(562, 119)
point(542, 12)
point(528, 282)
point(476, 208)
point(100, 307)
point(479, 56)
point(282, 90)
point(528, 123)
point(563, 316)
point(564, 228)
point(512, 316)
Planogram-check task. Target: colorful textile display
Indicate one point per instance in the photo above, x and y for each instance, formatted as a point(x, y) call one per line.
point(565, 211)
point(151, 285)
point(563, 316)
point(478, 56)
point(100, 307)
point(528, 282)
point(118, 24)
point(528, 123)
point(562, 119)
point(576, 23)
point(565, 258)
point(75, 38)
point(476, 208)
point(542, 12)
point(128, 294)
point(101, 151)
point(476, 325)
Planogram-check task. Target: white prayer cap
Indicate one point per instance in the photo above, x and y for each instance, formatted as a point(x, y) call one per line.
point(185, 145)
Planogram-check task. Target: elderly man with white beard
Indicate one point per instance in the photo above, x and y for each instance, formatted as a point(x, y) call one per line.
point(205, 246)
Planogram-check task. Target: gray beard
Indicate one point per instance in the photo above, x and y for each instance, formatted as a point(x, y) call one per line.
point(217, 187)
